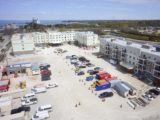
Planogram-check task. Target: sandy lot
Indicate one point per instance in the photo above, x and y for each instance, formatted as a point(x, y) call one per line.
point(72, 91)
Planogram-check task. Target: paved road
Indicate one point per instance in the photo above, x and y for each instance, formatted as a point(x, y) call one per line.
point(5, 42)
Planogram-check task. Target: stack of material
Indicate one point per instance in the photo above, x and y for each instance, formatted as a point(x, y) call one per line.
point(102, 75)
point(45, 75)
point(101, 85)
point(4, 85)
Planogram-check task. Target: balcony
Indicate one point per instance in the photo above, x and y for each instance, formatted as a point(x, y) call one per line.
point(157, 68)
point(157, 74)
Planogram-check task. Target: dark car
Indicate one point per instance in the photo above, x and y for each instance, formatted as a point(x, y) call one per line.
point(90, 71)
point(90, 65)
point(82, 59)
point(106, 94)
point(82, 66)
point(98, 69)
point(154, 91)
point(80, 73)
point(94, 72)
point(20, 109)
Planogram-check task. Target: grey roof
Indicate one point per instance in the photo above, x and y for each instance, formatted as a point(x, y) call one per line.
point(120, 87)
point(19, 63)
point(35, 66)
point(130, 86)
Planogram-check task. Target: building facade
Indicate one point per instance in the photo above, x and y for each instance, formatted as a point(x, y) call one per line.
point(22, 43)
point(144, 59)
point(53, 37)
point(87, 38)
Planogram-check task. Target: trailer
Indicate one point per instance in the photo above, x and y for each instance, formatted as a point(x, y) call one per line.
point(90, 78)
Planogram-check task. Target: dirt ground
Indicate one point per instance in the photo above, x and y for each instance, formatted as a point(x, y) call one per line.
point(73, 100)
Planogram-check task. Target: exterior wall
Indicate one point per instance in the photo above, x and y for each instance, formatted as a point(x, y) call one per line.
point(146, 60)
point(22, 43)
point(87, 38)
point(53, 37)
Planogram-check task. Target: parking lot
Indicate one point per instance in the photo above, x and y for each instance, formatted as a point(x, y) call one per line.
point(74, 99)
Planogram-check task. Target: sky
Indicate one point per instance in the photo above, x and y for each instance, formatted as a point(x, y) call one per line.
point(80, 9)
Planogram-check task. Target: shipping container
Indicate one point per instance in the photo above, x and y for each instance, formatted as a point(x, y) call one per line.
point(102, 87)
point(110, 79)
point(102, 75)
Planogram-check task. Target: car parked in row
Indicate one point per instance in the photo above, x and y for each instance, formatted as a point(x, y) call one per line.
point(51, 85)
point(28, 96)
point(106, 94)
point(30, 101)
point(80, 73)
point(40, 115)
point(20, 109)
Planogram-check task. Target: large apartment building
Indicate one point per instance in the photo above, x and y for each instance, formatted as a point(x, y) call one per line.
point(53, 37)
point(144, 59)
point(22, 43)
point(87, 38)
point(25, 43)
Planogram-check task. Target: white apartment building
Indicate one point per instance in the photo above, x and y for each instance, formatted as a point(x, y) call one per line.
point(143, 58)
point(53, 37)
point(25, 43)
point(22, 43)
point(87, 38)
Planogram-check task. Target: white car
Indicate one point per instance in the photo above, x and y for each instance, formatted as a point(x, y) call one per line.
point(51, 85)
point(42, 108)
point(39, 90)
point(28, 96)
point(30, 101)
point(40, 115)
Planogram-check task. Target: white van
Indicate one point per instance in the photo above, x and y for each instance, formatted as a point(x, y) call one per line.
point(44, 108)
point(40, 116)
point(28, 96)
point(39, 90)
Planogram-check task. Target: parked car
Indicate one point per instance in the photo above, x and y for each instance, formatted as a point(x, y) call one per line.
point(40, 116)
point(28, 96)
point(106, 94)
point(20, 109)
point(51, 85)
point(42, 108)
point(39, 90)
point(94, 72)
point(156, 92)
point(30, 101)
point(147, 97)
point(82, 66)
point(90, 65)
point(98, 69)
point(80, 73)
point(90, 71)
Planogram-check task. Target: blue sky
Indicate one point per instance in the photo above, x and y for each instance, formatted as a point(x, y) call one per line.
point(79, 9)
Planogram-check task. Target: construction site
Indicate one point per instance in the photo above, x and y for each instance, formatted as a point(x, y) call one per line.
point(76, 84)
